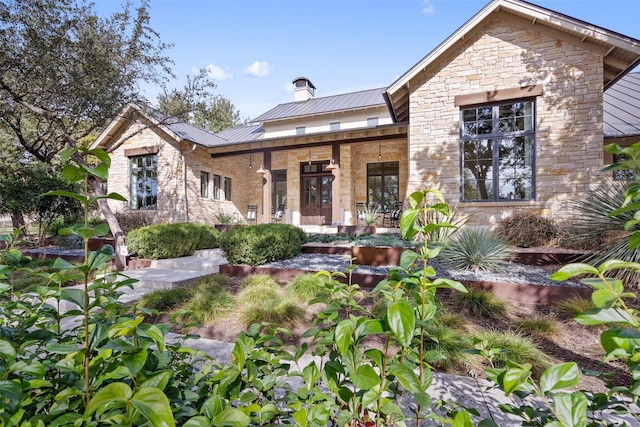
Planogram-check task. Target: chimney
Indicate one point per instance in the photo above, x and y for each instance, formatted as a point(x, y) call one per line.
point(304, 89)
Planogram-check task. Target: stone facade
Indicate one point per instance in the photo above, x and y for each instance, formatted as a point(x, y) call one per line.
point(499, 56)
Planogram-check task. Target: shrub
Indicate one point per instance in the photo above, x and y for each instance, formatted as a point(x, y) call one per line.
point(446, 347)
point(209, 300)
point(481, 303)
point(165, 300)
point(517, 348)
point(527, 229)
point(160, 241)
point(538, 325)
point(305, 287)
point(569, 308)
point(262, 243)
point(474, 248)
point(262, 300)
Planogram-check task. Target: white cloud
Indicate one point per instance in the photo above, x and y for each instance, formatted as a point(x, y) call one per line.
point(288, 87)
point(218, 73)
point(427, 7)
point(258, 69)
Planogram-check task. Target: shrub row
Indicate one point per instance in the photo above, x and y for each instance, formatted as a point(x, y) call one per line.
point(160, 241)
point(262, 243)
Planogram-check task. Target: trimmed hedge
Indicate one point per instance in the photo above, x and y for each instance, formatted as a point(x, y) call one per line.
point(262, 243)
point(161, 241)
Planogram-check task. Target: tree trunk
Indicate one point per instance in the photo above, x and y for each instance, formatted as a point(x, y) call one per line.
point(17, 221)
point(114, 226)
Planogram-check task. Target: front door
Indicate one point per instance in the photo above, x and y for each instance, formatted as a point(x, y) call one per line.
point(316, 195)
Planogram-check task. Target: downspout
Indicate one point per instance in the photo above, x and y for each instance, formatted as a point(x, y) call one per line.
point(184, 180)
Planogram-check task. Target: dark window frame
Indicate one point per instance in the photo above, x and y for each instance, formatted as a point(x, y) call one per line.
point(204, 184)
point(217, 186)
point(227, 188)
point(148, 201)
point(489, 130)
point(387, 171)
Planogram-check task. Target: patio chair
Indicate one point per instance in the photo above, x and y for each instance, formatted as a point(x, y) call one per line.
point(391, 217)
point(252, 214)
point(361, 210)
point(278, 214)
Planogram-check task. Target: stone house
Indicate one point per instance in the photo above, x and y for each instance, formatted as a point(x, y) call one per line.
point(506, 114)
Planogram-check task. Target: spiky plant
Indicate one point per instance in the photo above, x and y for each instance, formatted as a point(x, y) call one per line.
point(517, 348)
point(569, 308)
point(165, 300)
point(209, 300)
point(593, 228)
point(538, 325)
point(446, 347)
point(475, 248)
point(305, 287)
point(481, 303)
point(443, 234)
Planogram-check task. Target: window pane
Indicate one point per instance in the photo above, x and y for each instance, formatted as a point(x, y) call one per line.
point(383, 185)
point(477, 164)
point(515, 170)
point(216, 187)
point(143, 182)
point(227, 188)
point(204, 184)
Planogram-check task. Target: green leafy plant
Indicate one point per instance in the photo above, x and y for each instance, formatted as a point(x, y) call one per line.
point(481, 303)
point(474, 248)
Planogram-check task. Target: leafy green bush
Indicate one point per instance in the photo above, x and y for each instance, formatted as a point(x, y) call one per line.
point(481, 303)
point(474, 248)
point(527, 229)
point(161, 241)
point(262, 243)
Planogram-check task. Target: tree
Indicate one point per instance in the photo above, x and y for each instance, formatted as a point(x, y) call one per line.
point(65, 73)
point(196, 104)
point(21, 195)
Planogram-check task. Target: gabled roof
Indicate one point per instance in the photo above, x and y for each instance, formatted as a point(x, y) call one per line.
point(329, 104)
point(622, 108)
point(621, 53)
point(179, 130)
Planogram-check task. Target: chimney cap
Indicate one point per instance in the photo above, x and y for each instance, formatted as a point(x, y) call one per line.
point(298, 80)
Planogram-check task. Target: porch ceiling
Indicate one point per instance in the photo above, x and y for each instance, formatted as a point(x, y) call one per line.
point(347, 136)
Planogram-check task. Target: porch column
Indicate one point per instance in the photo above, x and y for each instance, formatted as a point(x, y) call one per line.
point(335, 184)
point(266, 187)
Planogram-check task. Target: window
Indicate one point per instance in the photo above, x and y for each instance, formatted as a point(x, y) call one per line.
point(204, 184)
point(300, 130)
point(498, 146)
point(227, 188)
point(278, 188)
point(622, 174)
point(216, 187)
point(334, 126)
point(144, 182)
point(383, 185)
point(372, 121)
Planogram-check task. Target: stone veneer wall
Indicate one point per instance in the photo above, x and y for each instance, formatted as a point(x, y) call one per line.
point(504, 55)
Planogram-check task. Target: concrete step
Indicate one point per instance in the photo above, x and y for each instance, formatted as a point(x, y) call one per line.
point(193, 263)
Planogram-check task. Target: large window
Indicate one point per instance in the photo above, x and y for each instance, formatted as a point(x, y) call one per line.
point(204, 184)
point(227, 188)
point(498, 146)
point(216, 187)
point(383, 185)
point(144, 182)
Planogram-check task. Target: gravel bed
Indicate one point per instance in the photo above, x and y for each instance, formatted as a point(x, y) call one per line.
point(513, 273)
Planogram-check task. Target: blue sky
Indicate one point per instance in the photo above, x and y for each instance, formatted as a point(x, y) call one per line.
point(254, 49)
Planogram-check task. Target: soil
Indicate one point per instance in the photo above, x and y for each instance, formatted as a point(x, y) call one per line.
point(570, 342)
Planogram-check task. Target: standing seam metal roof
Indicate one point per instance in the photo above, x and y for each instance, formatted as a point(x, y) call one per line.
point(347, 101)
point(621, 115)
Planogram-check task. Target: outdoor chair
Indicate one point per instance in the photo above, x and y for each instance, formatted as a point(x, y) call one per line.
point(391, 218)
point(361, 211)
point(278, 214)
point(252, 214)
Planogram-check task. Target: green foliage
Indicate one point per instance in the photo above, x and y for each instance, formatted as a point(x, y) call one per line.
point(161, 241)
point(516, 348)
point(262, 243)
point(446, 347)
point(526, 229)
point(569, 308)
point(262, 300)
point(165, 300)
point(209, 300)
point(538, 325)
point(481, 303)
point(444, 234)
point(305, 288)
point(474, 248)
point(383, 239)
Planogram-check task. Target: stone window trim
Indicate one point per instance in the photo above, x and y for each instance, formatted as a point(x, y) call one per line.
point(141, 151)
point(499, 95)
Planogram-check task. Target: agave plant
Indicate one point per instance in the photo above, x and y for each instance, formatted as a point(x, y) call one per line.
point(474, 248)
point(593, 227)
